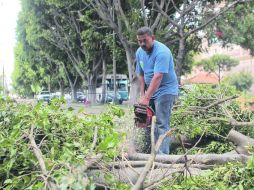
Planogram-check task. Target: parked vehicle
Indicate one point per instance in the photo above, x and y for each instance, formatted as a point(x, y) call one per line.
point(81, 98)
point(44, 96)
point(110, 97)
point(122, 83)
point(67, 97)
point(56, 95)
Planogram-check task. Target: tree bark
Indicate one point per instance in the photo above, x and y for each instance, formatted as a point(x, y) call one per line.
point(130, 175)
point(134, 90)
point(137, 164)
point(103, 85)
point(180, 56)
point(245, 144)
point(199, 159)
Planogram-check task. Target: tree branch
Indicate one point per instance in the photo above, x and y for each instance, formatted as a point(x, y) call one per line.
point(140, 182)
point(196, 108)
point(38, 154)
point(212, 19)
point(158, 17)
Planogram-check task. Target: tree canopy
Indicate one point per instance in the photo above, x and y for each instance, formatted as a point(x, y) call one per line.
point(218, 63)
point(63, 44)
point(235, 27)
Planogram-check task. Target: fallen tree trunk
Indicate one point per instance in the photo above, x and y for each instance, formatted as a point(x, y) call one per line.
point(198, 159)
point(187, 142)
point(241, 124)
point(244, 144)
point(130, 175)
point(137, 164)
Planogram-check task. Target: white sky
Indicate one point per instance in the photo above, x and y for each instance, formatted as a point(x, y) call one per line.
point(9, 10)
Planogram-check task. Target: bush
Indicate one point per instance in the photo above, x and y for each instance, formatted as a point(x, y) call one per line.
point(232, 176)
point(64, 137)
point(191, 119)
point(242, 81)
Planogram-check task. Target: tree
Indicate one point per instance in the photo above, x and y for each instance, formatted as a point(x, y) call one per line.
point(31, 66)
point(176, 23)
point(242, 81)
point(218, 62)
point(76, 28)
point(65, 44)
point(25, 73)
point(235, 27)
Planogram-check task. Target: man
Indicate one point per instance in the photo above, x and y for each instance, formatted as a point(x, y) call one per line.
point(155, 70)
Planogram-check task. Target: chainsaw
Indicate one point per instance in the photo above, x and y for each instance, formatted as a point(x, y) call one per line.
point(143, 115)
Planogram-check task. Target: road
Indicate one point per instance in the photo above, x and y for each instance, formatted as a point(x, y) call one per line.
point(89, 109)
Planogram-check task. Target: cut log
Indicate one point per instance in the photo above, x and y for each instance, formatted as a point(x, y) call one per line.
point(137, 164)
point(244, 144)
point(128, 175)
point(241, 124)
point(198, 159)
point(186, 141)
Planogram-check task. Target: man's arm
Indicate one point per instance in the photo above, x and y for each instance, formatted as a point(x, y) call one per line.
point(154, 85)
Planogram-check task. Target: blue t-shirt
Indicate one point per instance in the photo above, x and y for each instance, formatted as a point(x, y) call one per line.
point(160, 60)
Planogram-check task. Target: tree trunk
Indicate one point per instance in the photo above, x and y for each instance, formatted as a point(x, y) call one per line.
point(104, 73)
point(49, 86)
point(179, 58)
point(92, 88)
point(73, 92)
point(130, 175)
point(200, 159)
point(245, 144)
point(187, 142)
point(61, 87)
point(134, 88)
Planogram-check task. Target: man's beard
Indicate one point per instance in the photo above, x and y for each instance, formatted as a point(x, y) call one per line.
point(144, 48)
point(147, 50)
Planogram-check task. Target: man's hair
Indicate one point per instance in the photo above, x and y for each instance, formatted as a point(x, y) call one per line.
point(144, 30)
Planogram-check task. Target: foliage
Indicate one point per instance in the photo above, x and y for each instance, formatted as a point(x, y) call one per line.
point(36, 88)
point(232, 176)
point(192, 121)
point(60, 46)
point(235, 27)
point(218, 62)
point(219, 146)
point(64, 137)
point(242, 81)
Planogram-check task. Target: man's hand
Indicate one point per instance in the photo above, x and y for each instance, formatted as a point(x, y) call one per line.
point(144, 101)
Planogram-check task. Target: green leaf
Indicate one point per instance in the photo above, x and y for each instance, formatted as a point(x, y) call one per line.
point(7, 181)
point(240, 187)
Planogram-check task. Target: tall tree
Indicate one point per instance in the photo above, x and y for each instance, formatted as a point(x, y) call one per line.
point(235, 27)
point(63, 39)
point(31, 66)
point(188, 19)
point(176, 22)
point(75, 30)
point(218, 63)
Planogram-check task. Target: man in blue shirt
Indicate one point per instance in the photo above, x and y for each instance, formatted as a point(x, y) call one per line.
point(155, 70)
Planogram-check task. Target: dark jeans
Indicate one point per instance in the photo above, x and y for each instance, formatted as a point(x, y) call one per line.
point(162, 107)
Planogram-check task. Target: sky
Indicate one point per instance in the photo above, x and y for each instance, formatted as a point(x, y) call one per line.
point(9, 10)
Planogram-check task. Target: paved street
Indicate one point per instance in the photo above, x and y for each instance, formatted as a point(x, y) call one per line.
point(90, 109)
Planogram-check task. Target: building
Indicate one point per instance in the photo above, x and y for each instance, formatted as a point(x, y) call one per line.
point(202, 78)
point(234, 51)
